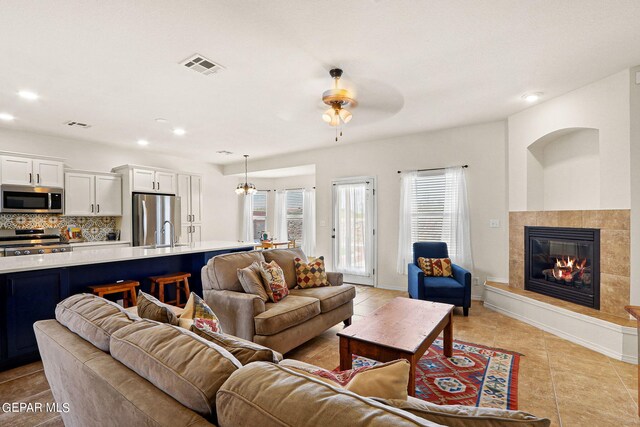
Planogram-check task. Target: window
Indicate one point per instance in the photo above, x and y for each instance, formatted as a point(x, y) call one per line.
point(259, 214)
point(294, 211)
point(427, 202)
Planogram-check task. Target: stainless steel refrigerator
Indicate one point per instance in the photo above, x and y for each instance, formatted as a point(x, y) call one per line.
point(156, 219)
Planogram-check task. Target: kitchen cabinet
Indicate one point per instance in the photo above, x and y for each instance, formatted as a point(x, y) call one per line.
point(190, 192)
point(152, 181)
point(93, 194)
point(35, 172)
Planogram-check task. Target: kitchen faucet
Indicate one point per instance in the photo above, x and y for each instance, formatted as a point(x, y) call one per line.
point(173, 233)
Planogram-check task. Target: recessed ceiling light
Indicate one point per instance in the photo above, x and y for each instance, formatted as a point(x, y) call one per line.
point(532, 97)
point(143, 142)
point(6, 117)
point(27, 94)
point(161, 120)
point(179, 131)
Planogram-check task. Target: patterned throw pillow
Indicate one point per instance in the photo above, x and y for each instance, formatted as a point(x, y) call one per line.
point(273, 279)
point(435, 267)
point(311, 274)
point(386, 380)
point(198, 310)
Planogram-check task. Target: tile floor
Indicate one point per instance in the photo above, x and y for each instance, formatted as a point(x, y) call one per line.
point(569, 384)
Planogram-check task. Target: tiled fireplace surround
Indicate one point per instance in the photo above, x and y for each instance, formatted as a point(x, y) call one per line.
point(615, 268)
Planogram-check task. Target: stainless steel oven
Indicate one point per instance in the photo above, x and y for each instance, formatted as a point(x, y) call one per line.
point(25, 199)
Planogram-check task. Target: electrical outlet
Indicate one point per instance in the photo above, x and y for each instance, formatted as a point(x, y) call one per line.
point(475, 281)
point(494, 223)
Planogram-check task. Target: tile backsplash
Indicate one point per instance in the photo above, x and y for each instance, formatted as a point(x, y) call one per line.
point(94, 228)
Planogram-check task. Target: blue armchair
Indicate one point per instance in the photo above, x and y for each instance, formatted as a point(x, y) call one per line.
point(454, 290)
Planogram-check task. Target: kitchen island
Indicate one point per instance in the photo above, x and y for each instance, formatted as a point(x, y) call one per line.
point(32, 285)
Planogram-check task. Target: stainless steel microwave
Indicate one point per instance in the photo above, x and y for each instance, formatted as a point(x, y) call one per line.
point(25, 199)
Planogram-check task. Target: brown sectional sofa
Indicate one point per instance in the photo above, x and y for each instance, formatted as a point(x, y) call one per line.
point(282, 326)
point(156, 374)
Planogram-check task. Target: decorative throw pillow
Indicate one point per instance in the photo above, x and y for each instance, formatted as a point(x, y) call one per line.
point(149, 307)
point(273, 279)
point(198, 310)
point(435, 267)
point(383, 380)
point(243, 350)
point(311, 274)
point(251, 281)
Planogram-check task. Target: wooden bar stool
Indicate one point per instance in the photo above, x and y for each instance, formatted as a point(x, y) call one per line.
point(181, 280)
point(127, 287)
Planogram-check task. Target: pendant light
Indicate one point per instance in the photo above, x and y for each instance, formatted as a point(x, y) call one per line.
point(246, 188)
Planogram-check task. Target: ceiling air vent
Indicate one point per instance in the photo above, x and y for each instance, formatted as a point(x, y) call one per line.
point(77, 124)
point(202, 65)
point(225, 152)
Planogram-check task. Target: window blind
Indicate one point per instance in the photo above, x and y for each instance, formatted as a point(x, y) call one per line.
point(427, 202)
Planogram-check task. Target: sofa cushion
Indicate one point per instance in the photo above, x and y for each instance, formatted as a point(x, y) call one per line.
point(149, 307)
point(284, 258)
point(251, 281)
point(93, 318)
point(263, 394)
point(330, 297)
point(188, 368)
point(243, 350)
point(289, 312)
point(273, 280)
point(222, 270)
point(386, 380)
point(442, 287)
point(463, 416)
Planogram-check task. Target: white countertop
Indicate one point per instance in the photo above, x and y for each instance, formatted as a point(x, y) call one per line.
point(100, 243)
point(104, 255)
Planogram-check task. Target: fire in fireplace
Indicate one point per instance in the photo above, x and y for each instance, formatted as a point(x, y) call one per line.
point(564, 263)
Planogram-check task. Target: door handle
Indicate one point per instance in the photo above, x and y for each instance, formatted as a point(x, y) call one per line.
point(38, 178)
point(98, 206)
point(30, 177)
point(91, 207)
point(154, 185)
point(158, 185)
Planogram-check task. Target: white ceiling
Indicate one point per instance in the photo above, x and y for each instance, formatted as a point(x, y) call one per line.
point(280, 172)
point(414, 65)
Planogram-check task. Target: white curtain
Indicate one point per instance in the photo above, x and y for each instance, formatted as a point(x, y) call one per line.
point(280, 232)
point(309, 222)
point(246, 226)
point(456, 230)
point(350, 247)
point(407, 195)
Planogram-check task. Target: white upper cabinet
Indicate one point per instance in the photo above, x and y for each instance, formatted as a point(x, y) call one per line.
point(48, 173)
point(184, 192)
point(144, 180)
point(89, 194)
point(165, 182)
point(79, 195)
point(18, 170)
point(108, 195)
point(196, 198)
point(150, 181)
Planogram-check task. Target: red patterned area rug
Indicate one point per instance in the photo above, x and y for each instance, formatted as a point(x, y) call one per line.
point(475, 375)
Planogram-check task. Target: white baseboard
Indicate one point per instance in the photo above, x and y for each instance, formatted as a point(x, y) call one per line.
point(393, 287)
point(610, 339)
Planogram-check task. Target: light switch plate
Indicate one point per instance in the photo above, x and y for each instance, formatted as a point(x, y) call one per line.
point(494, 223)
point(323, 223)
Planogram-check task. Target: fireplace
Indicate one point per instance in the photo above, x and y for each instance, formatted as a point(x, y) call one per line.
point(563, 263)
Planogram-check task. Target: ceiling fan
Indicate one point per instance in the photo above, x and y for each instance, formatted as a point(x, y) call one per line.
point(337, 99)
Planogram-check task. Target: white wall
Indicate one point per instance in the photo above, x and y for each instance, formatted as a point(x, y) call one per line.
point(482, 147)
point(219, 221)
point(602, 105)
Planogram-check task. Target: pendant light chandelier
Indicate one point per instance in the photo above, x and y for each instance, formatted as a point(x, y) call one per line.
point(246, 188)
point(337, 99)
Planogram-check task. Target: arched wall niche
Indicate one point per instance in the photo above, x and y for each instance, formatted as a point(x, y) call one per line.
point(563, 170)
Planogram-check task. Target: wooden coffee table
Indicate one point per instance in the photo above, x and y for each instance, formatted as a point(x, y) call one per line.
point(401, 329)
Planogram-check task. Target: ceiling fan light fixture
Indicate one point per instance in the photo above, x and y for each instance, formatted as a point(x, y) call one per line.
point(328, 115)
point(337, 98)
point(345, 115)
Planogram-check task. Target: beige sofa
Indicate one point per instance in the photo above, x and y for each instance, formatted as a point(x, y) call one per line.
point(114, 369)
point(282, 326)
